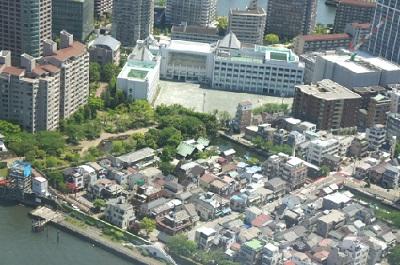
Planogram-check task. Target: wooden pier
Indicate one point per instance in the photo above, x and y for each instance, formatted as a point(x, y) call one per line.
point(43, 215)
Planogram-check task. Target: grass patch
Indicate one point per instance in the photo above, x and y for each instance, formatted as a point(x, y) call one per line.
point(3, 172)
point(75, 222)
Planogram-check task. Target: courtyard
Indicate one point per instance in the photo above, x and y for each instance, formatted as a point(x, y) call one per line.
point(207, 100)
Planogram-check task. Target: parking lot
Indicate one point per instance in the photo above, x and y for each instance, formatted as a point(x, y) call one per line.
point(207, 100)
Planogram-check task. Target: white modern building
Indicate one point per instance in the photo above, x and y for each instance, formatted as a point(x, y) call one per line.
point(255, 69)
point(376, 136)
point(140, 75)
point(271, 255)
point(119, 212)
point(355, 70)
point(187, 61)
point(229, 65)
point(318, 149)
point(350, 251)
point(40, 186)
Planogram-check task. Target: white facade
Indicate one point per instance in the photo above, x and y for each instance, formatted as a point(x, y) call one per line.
point(271, 255)
point(40, 186)
point(258, 69)
point(355, 71)
point(140, 75)
point(187, 61)
point(318, 149)
point(227, 65)
point(376, 136)
point(119, 212)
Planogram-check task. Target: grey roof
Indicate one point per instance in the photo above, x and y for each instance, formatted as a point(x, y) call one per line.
point(136, 156)
point(230, 41)
point(107, 40)
point(141, 53)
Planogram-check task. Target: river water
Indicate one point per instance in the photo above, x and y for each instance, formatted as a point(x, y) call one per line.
point(19, 246)
point(325, 14)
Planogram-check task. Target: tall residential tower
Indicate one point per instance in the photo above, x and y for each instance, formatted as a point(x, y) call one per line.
point(24, 25)
point(132, 20)
point(193, 12)
point(351, 11)
point(385, 41)
point(289, 18)
point(74, 16)
point(249, 24)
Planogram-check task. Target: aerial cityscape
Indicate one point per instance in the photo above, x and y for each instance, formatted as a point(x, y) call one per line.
point(200, 132)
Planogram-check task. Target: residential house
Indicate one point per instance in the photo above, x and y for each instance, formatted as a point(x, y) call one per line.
point(331, 221)
point(250, 252)
point(175, 222)
point(140, 158)
point(210, 206)
point(204, 237)
point(119, 212)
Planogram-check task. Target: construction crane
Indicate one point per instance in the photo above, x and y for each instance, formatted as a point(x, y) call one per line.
point(364, 39)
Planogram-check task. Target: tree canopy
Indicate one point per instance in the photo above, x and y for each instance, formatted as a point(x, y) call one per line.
point(181, 245)
point(271, 39)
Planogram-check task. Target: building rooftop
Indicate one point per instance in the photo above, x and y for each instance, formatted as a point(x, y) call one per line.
point(334, 216)
point(362, 63)
point(194, 29)
point(359, 3)
point(328, 90)
point(254, 244)
point(75, 50)
point(137, 155)
point(189, 46)
point(108, 41)
point(248, 12)
point(325, 37)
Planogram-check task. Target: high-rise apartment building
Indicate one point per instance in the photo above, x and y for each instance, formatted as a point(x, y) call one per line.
point(385, 41)
point(249, 24)
point(193, 12)
point(289, 18)
point(132, 20)
point(73, 61)
point(102, 6)
point(39, 93)
point(29, 94)
point(24, 25)
point(326, 104)
point(351, 11)
point(74, 16)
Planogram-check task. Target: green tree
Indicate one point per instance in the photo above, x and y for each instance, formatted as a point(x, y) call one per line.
point(53, 143)
point(99, 203)
point(321, 29)
point(168, 153)
point(8, 128)
point(222, 25)
point(169, 136)
point(271, 39)
point(94, 72)
point(148, 225)
point(180, 245)
point(324, 169)
point(394, 256)
point(166, 168)
point(224, 118)
point(397, 150)
point(109, 71)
